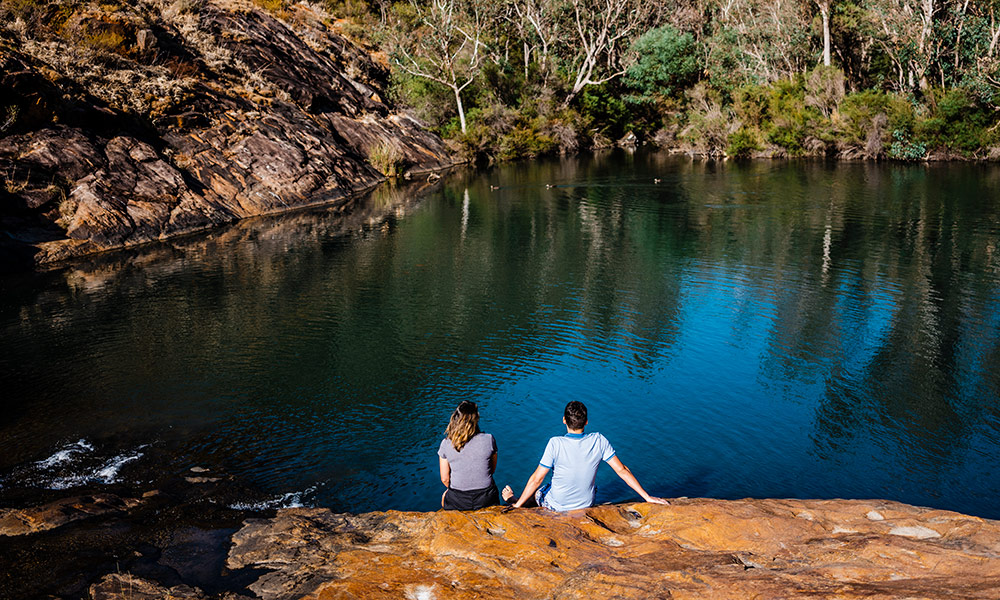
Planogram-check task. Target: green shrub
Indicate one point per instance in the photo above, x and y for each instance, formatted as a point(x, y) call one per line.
point(790, 118)
point(980, 87)
point(742, 143)
point(525, 140)
point(966, 120)
point(503, 83)
point(902, 148)
point(751, 105)
point(430, 101)
point(788, 137)
point(668, 63)
point(499, 133)
point(601, 106)
point(953, 103)
point(723, 65)
point(858, 111)
point(959, 123)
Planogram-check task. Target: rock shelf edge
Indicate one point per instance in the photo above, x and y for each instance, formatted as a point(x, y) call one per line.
point(694, 548)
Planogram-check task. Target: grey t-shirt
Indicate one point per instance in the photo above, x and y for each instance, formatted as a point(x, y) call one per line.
point(470, 468)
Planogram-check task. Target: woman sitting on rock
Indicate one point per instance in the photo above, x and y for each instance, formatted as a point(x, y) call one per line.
point(468, 458)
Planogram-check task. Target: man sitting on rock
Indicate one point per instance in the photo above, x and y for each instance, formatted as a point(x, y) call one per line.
point(573, 460)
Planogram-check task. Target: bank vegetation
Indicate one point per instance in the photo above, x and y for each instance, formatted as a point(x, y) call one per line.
point(874, 79)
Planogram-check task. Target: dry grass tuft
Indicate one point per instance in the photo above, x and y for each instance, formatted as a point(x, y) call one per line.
point(386, 158)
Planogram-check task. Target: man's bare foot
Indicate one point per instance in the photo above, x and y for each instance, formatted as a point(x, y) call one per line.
point(507, 493)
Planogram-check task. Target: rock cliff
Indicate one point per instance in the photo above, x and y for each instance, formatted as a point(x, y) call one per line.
point(127, 122)
point(693, 549)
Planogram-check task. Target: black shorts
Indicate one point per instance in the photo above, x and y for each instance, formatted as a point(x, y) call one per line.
point(471, 499)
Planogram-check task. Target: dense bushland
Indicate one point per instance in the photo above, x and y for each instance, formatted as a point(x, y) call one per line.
point(898, 79)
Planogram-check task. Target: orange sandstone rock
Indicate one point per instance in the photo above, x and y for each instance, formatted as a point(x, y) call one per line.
point(693, 549)
point(25, 521)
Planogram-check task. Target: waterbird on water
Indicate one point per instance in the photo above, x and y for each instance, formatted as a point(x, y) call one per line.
point(494, 187)
point(657, 180)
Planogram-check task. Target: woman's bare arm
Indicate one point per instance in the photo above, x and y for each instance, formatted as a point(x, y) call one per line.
point(445, 472)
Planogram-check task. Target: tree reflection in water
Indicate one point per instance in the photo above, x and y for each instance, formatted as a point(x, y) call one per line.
point(737, 329)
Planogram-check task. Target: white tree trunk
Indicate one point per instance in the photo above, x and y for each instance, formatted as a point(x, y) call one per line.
point(603, 30)
point(926, 31)
point(824, 10)
point(461, 109)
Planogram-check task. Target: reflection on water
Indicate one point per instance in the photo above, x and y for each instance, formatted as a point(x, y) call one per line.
point(761, 329)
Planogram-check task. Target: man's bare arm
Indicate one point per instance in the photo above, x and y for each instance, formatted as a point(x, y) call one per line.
point(632, 482)
point(534, 482)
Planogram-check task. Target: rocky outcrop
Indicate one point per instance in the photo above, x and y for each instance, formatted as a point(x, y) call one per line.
point(24, 521)
point(119, 586)
point(693, 549)
point(192, 115)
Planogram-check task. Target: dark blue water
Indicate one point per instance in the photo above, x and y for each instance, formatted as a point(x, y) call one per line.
point(762, 329)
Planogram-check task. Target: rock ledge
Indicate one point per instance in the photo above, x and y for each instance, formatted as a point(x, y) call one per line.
point(693, 549)
point(202, 113)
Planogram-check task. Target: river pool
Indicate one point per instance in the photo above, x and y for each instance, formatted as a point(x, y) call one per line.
point(760, 329)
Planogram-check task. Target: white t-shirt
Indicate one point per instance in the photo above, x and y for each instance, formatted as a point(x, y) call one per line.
point(574, 459)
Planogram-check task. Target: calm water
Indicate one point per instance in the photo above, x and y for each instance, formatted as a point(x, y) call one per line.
point(761, 329)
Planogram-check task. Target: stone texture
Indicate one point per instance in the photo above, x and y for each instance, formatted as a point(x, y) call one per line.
point(693, 549)
point(120, 586)
point(124, 586)
point(200, 119)
point(23, 521)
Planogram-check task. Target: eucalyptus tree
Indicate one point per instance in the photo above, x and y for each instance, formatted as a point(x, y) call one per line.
point(992, 9)
point(442, 41)
point(541, 19)
point(904, 30)
point(977, 43)
point(602, 30)
point(824, 12)
point(770, 37)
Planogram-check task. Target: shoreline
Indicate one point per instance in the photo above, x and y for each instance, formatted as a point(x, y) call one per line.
point(834, 157)
point(348, 211)
point(405, 191)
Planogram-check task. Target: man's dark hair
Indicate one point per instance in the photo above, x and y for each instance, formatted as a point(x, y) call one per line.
point(575, 415)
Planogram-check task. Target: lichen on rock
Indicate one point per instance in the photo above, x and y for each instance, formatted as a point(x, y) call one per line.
point(693, 549)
